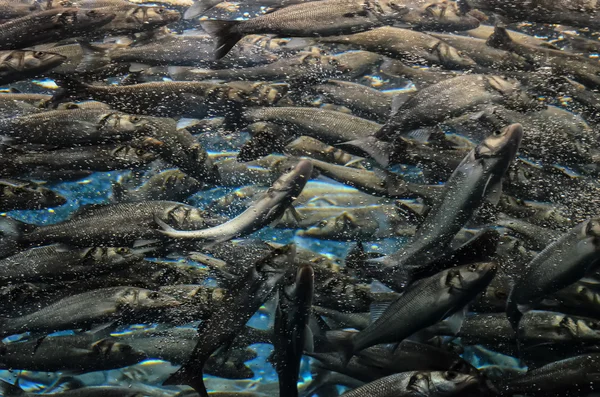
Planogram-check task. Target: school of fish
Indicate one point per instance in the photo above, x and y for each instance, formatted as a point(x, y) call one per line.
point(358, 198)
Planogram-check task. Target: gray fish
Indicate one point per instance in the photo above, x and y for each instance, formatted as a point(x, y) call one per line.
point(560, 264)
point(64, 128)
point(311, 147)
point(431, 105)
point(178, 98)
point(9, 390)
point(68, 353)
point(94, 158)
point(265, 210)
point(439, 16)
point(18, 65)
point(405, 44)
point(324, 18)
point(290, 329)
point(478, 176)
point(414, 383)
point(326, 125)
point(59, 263)
point(425, 303)
point(112, 225)
point(51, 25)
point(24, 195)
point(243, 300)
point(91, 307)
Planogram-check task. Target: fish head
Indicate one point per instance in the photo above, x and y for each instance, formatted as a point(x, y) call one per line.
point(114, 255)
point(443, 15)
point(133, 153)
point(158, 15)
point(469, 277)
point(49, 198)
point(592, 228)
point(185, 217)
point(502, 143)
point(576, 328)
point(255, 93)
point(143, 299)
point(389, 10)
point(450, 383)
point(451, 57)
point(111, 350)
point(120, 122)
point(73, 18)
point(32, 60)
point(357, 62)
point(294, 178)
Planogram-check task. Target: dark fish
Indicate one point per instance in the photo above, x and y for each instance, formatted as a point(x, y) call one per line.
point(478, 176)
point(110, 225)
point(56, 262)
point(290, 329)
point(265, 210)
point(23, 195)
point(69, 353)
point(425, 303)
point(51, 25)
point(324, 18)
point(243, 299)
point(170, 185)
point(560, 264)
point(130, 18)
point(82, 310)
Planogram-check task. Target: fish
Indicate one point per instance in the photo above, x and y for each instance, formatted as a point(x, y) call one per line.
point(69, 354)
point(560, 264)
point(82, 310)
point(308, 19)
point(24, 195)
point(265, 210)
point(413, 382)
point(109, 225)
point(482, 169)
point(170, 185)
point(53, 24)
point(18, 65)
point(130, 18)
point(291, 334)
point(426, 302)
point(406, 45)
point(252, 290)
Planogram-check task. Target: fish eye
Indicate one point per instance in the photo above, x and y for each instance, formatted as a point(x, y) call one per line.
point(122, 250)
point(473, 267)
point(160, 10)
point(593, 325)
point(140, 152)
point(38, 54)
point(451, 375)
point(501, 295)
point(92, 12)
point(135, 119)
point(154, 295)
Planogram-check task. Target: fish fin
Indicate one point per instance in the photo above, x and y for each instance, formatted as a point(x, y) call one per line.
point(199, 8)
point(297, 216)
point(408, 213)
point(513, 312)
point(500, 39)
point(421, 135)
point(378, 150)
point(493, 192)
point(144, 243)
point(356, 256)
point(163, 225)
point(136, 67)
point(309, 339)
point(377, 309)
point(94, 57)
point(225, 34)
point(190, 374)
point(10, 390)
point(119, 192)
point(456, 320)
point(11, 232)
point(398, 102)
point(343, 342)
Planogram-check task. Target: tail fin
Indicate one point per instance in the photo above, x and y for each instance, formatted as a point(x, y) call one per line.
point(500, 39)
point(10, 390)
point(199, 8)
point(69, 89)
point(344, 343)
point(225, 33)
point(376, 149)
point(11, 232)
point(191, 374)
point(513, 313)
point(94, 57)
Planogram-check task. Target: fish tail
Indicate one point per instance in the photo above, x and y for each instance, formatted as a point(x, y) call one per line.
point(69, 89)
point(344, 344)
point(513, 313)
point(376, 149)
point(225, 33)
point(199, 8)
point(94, 57)
point(10, 390)
point(11, 233)
point(190, 374)
point(500, 39)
